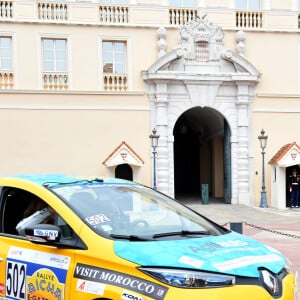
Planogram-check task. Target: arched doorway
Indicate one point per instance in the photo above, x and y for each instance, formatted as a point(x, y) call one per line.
point(124, 171)
point(202, 154)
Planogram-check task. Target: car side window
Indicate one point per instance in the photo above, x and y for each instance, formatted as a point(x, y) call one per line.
point(12, 210)
point(20, 208)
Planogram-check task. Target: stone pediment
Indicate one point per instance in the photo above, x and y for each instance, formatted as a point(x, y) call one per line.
point(123, 154)
point(201, 52)
point(288, 155)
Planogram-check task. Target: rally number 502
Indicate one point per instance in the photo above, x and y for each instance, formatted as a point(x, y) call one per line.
point(15, 280)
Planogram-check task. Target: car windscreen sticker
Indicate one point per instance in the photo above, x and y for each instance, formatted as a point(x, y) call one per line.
point(33, 274)
point(142, 286)
point(97, 219)
point(231, 253)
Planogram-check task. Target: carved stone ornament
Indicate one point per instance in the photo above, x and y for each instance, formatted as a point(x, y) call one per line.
point(201, 31)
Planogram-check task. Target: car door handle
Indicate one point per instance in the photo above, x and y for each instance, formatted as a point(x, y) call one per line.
point(1, 259)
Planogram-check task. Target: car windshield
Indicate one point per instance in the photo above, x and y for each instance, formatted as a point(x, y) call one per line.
point(134, 212)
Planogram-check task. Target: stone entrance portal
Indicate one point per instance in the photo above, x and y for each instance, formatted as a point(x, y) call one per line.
point(201, 74)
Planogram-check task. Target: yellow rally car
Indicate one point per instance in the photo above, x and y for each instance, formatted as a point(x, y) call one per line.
point(75, 238)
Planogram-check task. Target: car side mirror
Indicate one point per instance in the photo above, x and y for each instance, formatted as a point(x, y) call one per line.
point(43, 233)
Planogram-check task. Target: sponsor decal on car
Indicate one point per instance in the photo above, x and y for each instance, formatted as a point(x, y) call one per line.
point(231, 253)
point(33, 274)
point(51, 234)
point(142, 286)
point(245, 261)
point(2, 289)
point(90, 287)
point(44, 283)
point(191, 261)
point(127, 295)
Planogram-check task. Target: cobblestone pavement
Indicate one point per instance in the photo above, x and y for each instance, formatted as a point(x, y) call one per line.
point(276, 228)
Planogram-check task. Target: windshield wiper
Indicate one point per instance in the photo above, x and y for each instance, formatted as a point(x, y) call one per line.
point(128, 237)
point(182, 232)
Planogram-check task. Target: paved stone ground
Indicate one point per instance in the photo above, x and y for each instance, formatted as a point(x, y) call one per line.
point(276, 228)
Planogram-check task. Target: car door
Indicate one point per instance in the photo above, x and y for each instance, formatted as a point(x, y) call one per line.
point(31, 270)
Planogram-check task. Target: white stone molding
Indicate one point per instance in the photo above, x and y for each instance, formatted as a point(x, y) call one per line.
point(162, 43)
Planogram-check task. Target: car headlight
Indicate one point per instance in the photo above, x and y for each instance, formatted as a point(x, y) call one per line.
point(189, 278)
point(270, 282)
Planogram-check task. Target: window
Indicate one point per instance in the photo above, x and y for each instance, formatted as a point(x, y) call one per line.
point(5, 53)
point(182, 3)
point(109, 2)
point(114, 57)
point(54, 55)
point(248, 4)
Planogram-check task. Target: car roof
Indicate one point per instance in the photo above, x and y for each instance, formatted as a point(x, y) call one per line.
point(59, 179)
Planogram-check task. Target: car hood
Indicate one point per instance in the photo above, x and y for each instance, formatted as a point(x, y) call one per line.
point(231, 253)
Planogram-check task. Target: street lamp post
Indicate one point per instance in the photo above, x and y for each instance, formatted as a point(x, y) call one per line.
point(263, 144)
point(154, 142)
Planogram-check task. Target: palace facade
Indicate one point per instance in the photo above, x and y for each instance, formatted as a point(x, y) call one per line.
point(84, 83)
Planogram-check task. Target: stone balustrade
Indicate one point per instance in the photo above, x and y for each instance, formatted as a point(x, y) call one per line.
point(6, 9)
point(6, 80)
point(179, 16)
point(249, 19)
point(115, 82)
point(113, 14)
point(51, 11)
point(55, 81)
point(93, 13)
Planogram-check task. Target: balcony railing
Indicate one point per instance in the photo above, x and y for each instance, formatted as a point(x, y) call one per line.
point(6, 9)
point(55, 81)
point(249, 19)
point(180, 16)
point(113, 14)
point(6, 80)
point(115, 82)
point(51, 11)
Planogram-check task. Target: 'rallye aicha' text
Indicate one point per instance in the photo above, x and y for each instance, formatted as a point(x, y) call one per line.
point(73, 238)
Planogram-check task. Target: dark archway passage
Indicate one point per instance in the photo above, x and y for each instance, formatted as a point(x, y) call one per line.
point(202, 154)
point(124, 171)
point(186, 157)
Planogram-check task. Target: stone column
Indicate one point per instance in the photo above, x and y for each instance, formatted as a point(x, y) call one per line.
point(162, 167)
point(171, 188)
point(243, 144)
